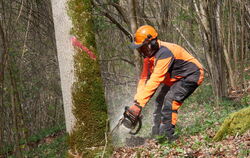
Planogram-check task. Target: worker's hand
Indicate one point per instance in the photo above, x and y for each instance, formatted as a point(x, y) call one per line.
point(134, 111)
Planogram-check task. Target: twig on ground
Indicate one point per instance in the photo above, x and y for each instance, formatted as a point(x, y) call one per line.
point(106, 138)
point(75, 153)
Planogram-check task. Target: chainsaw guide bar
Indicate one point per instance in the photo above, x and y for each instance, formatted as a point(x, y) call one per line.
point(134, 129)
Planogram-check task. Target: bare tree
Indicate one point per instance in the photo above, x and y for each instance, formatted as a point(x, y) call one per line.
point(65, 54)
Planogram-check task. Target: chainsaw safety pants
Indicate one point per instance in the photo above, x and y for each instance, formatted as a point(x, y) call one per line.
point(167, 103)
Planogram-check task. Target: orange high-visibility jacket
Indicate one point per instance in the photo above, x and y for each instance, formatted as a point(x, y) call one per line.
point(168, 65)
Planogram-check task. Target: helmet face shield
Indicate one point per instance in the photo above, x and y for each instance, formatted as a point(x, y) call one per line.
point(143, 50)
point(146, 50)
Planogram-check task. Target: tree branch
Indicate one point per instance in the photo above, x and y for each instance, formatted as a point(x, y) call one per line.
point(142, 14)
point(119, 58)
point(189, 44)
point(27, 31)
point(120, 11)
point(20, 12)
point(113, 20)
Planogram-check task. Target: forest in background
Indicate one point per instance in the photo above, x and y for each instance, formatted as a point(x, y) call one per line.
point(216, 32)
point(30, 93)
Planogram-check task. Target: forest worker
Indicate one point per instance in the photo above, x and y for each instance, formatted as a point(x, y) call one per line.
point(171, 66)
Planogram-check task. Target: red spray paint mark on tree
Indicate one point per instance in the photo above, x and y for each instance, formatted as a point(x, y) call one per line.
point(78, 44)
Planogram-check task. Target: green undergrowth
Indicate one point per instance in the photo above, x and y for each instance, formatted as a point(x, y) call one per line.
point(46, 132)
point(48, 143)
point(56, 149)
point(89, 108)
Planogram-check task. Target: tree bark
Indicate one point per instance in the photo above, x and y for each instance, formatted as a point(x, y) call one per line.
point(133, 28)
point(242, 45)
point(15, 113)
point(65, 52)
point(209, 20)
point(2, 68)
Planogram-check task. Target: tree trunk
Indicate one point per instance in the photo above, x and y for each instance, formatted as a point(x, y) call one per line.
point(133, 28)
point(2, 68)
point(224, 47)
point(218, 48)
point(214, 47)
point(242, 45)
point(15, 114)
point(65, 52)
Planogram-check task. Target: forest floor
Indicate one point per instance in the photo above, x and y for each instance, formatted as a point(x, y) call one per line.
point(199, 120)
point(199, 145)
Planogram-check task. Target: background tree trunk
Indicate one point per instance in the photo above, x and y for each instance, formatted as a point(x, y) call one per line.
point(211, 35)
point(133, 28)
point(2, 68)
point(65, 53)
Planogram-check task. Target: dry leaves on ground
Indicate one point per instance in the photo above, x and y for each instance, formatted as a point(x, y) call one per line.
point(193, 146)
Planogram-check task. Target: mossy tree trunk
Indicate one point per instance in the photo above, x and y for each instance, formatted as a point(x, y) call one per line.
point(88, 96)
point(236, 123)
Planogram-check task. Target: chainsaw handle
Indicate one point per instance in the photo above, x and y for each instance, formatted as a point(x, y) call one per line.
point(139, 127)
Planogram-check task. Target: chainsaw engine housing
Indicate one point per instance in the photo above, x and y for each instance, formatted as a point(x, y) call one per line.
point(131, 123)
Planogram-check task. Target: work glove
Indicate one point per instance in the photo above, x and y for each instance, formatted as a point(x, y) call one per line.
point(134, 112)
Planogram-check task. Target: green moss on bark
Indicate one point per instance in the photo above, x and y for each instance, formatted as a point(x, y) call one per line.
point(89, 106)
point(235, 123)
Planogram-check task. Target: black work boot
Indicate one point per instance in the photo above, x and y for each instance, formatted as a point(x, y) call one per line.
point(167, 130)
point(172, 138)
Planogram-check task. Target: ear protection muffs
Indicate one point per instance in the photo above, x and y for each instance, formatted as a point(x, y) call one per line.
point(154, 44)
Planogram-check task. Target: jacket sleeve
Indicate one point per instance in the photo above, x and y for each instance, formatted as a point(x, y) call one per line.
point(159, 73)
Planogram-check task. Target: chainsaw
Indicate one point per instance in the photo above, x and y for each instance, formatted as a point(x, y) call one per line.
point(133, 124)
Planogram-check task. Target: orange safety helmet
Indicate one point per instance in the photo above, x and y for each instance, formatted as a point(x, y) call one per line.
point(143, 34)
